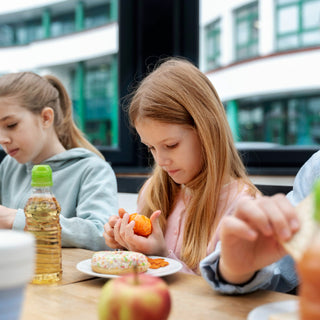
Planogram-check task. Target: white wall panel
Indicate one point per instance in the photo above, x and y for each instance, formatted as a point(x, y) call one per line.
point(79, 46)
point(21, 5)
point(295, 72)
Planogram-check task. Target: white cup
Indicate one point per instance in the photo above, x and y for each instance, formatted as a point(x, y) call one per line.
point(17, 254)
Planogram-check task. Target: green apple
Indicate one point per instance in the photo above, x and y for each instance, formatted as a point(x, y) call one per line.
point(135, 297)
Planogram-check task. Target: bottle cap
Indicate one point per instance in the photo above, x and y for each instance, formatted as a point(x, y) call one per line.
point(41, 176)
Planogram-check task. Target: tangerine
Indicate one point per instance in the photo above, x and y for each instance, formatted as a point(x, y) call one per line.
point(142, 225)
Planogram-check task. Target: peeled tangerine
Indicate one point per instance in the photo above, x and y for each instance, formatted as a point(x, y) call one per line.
point(142, 225)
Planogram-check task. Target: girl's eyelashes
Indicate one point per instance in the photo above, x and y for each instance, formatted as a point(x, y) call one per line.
point(12, 125)
point(171, 146)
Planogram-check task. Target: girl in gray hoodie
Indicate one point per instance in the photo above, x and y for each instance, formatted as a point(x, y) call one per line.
point(36, 127)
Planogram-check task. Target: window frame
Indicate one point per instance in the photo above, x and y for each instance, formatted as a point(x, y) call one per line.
point(300, 32)
point(213, 35)
point(252, 42)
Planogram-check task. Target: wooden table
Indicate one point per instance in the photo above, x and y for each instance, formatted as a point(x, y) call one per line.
point(76, 296)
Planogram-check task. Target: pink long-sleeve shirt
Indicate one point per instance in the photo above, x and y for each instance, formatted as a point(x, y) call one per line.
point(230, 195)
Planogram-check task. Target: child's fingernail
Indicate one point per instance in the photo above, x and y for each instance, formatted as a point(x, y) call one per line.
point(252, 234)
point(268, 229)
point(294, 224)
point(285, 234)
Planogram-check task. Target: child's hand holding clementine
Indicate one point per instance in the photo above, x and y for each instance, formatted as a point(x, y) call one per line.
point(154, 244)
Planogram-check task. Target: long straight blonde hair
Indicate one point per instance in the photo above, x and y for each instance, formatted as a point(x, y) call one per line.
point(177, 92)
point(34, 93)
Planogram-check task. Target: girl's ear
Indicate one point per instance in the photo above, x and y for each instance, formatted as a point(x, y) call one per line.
point(47, 116)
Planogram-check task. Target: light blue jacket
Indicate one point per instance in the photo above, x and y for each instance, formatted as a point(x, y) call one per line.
point(84, 185)
point(281, 275)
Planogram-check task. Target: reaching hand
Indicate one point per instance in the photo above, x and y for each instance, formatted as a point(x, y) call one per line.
point(250, 237)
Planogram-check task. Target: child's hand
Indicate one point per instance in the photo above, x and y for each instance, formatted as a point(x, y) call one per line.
point(249, 238)
point(7, 216)
point(108, 233)
point(154, 244)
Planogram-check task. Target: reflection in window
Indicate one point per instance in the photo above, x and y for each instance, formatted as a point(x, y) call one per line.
point(20, 33)
point(285, 122)
point(213, 45)
point(29, 31)
point(288, 20)
point(62, 24)
point(97, 16)
point(46, 23)
point(246, 31)
point(95, 107)
point(7, 37)
point(298, 23)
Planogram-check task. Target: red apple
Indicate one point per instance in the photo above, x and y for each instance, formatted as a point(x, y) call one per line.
point(135, 297)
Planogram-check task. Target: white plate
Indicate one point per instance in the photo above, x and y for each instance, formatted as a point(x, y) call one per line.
point(265, 311)
point(173, 267)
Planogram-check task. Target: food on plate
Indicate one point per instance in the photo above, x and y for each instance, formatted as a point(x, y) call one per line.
point(156, 263)
point(308, 226)
point(118, 262)
point(284, 316)
point(142, 225)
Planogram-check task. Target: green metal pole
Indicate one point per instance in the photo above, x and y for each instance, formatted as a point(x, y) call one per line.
point(114, 10)
point(114, 103)
point(232, 115)
point(79, 16)
point(80, 74)
point(46, 23)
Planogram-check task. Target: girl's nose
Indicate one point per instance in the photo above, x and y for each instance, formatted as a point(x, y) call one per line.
point(4, 139)
point(162, 160)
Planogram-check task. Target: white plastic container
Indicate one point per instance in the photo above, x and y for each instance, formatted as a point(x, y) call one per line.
point(17, 254)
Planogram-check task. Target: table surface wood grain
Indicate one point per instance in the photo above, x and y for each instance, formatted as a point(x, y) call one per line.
point(76, 296)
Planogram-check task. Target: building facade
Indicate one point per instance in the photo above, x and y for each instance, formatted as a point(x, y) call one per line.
point(263, 58)
point(76, 41)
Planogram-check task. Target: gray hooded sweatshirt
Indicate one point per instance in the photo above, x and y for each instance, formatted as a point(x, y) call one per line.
point(84, 185)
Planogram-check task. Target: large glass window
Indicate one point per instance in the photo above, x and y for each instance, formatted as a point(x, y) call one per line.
point(7, 35)
point(212, 45)
point(98, 104)
point(29, 31)
point(297, 24)
point(20, 33)
point(63, 24)
point(294, 121)
point(95, 100)
point(97, 16)
point(246, 31)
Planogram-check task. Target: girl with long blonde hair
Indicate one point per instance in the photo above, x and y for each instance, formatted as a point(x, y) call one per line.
point(198, 175)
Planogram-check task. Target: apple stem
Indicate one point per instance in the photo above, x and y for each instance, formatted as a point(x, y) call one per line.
point(136, 278)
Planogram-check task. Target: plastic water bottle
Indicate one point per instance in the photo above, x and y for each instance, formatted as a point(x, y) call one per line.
point(42, 213)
